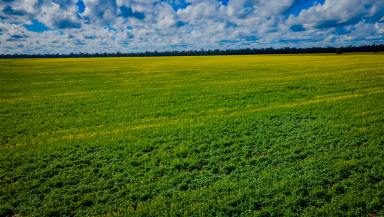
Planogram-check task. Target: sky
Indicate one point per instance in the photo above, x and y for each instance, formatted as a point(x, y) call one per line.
point(98, 26)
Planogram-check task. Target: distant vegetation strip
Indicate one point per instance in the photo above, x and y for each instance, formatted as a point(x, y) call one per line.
point(246, 51)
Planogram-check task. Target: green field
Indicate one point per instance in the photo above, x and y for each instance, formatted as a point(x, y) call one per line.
point(264, 135)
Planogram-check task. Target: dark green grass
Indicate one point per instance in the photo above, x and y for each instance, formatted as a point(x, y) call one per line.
point(278, 135)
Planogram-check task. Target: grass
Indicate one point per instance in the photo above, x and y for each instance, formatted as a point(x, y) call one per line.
point(266, 135)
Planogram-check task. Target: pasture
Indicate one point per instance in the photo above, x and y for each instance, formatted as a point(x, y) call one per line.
point(263, 135)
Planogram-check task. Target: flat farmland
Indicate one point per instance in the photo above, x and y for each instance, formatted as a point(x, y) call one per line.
point(262, 135)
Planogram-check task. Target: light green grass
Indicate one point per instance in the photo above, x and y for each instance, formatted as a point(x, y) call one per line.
point(265, 135)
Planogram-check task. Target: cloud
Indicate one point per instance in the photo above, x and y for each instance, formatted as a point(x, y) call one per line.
point(335, 13)
point(51, 26)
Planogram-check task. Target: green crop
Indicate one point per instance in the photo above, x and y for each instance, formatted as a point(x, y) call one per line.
point(264, 135)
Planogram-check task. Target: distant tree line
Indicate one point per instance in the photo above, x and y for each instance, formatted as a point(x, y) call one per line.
point(247, 51)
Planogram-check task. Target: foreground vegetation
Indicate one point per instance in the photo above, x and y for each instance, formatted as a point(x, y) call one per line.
point(193, 136)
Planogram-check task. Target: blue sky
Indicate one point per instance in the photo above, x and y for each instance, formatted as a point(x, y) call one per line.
point(66, 26)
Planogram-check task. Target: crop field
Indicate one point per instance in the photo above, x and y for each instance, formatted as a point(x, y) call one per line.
point(263, 135)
